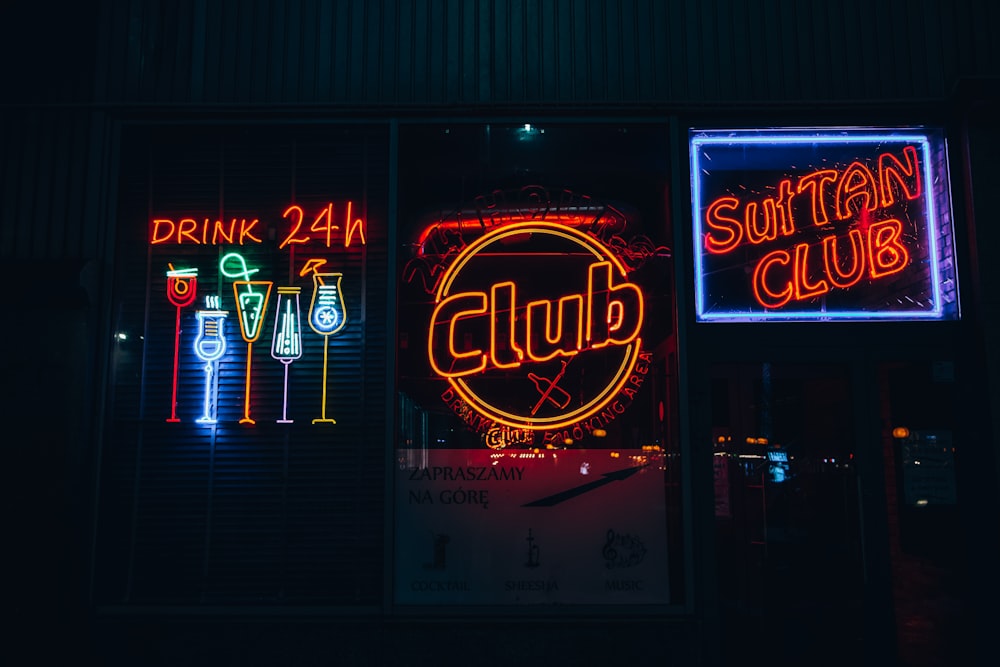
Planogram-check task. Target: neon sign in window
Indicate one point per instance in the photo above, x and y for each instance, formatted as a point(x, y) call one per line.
point(821, 225)
point(247, 303)
point(482, 330)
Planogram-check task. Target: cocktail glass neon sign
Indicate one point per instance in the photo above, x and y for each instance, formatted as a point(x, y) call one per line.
point(251, 305)
point(806, 225)
point(182, 287)
point(327, 317)
point(210, 345)
point(286, 341)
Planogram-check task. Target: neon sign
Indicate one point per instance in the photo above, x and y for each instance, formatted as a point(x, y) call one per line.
point(210, 345)
point(327, 317)
point(182, 286)
point(538, 333)
point(286, 342)
point(251, 305)
point(808, 225)
point(202, 230)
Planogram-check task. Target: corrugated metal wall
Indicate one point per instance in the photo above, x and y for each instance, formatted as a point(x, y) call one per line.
point(449, 55)
point(490, 52)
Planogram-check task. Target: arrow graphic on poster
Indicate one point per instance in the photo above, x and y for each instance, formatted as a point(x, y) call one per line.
point(563, 496)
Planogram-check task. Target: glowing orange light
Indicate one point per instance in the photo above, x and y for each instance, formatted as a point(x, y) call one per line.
point(803, 289)
point(355, 226)
point(251, 304)
point(857, 182)
point(182, 287)
point(813, 183)
point(555, 337)
point(900, 432)
point(780, 277)
point(887, 254)
point(890, 169)
point(322, 224)
point(608, 313)
point(731, 229)
point(205, 232)
point(855, 189)
point(840, 278)
point(765, 295)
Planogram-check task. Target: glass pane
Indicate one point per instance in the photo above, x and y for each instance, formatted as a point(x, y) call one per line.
point(245, 374)
point(789, 543)
point(536, 368)
point(925, 527)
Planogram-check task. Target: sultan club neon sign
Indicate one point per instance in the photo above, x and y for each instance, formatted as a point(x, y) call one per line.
point(527, 347)
point(800, 225)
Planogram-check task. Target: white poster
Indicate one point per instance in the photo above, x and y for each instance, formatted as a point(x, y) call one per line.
point(530, 527)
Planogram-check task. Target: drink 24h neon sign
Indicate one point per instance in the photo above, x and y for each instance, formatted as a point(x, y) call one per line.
point(820, 225)
point(246, 316)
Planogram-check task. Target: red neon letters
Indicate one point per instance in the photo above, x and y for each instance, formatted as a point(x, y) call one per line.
point(606, 314)
point(323, 230)
point(478, 336)
point(781, 276)
point(816, 201)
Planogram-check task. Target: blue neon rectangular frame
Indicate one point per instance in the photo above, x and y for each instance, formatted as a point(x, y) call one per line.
point(699, 140)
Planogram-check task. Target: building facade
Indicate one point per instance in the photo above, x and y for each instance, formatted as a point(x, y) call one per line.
point(422, 333)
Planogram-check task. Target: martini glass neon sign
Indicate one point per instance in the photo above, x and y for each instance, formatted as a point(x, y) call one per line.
point(286, 342)
point(251, 304)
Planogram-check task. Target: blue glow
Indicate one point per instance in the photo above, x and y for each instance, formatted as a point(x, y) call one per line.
point(701, 167)
point(210, 345)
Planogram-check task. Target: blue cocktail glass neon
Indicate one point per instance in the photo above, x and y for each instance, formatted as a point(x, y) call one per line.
point(210, 345)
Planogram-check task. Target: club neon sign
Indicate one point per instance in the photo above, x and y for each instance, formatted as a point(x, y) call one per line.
point(533, 334)
point(807, 225)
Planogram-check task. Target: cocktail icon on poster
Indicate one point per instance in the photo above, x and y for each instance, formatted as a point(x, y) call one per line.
point(251, 305)
point(286, 343)
point(182, 286)
point(327, 317)
point(210, 345)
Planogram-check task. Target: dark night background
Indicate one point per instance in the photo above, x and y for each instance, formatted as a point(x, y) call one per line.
point(77, 79)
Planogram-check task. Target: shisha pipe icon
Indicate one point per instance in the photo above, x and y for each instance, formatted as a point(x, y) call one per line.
point(327, 316)
point(250, 306)
point(210, 345)
point(182, 286)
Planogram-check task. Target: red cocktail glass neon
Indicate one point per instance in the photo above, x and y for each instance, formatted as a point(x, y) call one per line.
point(182, 286)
